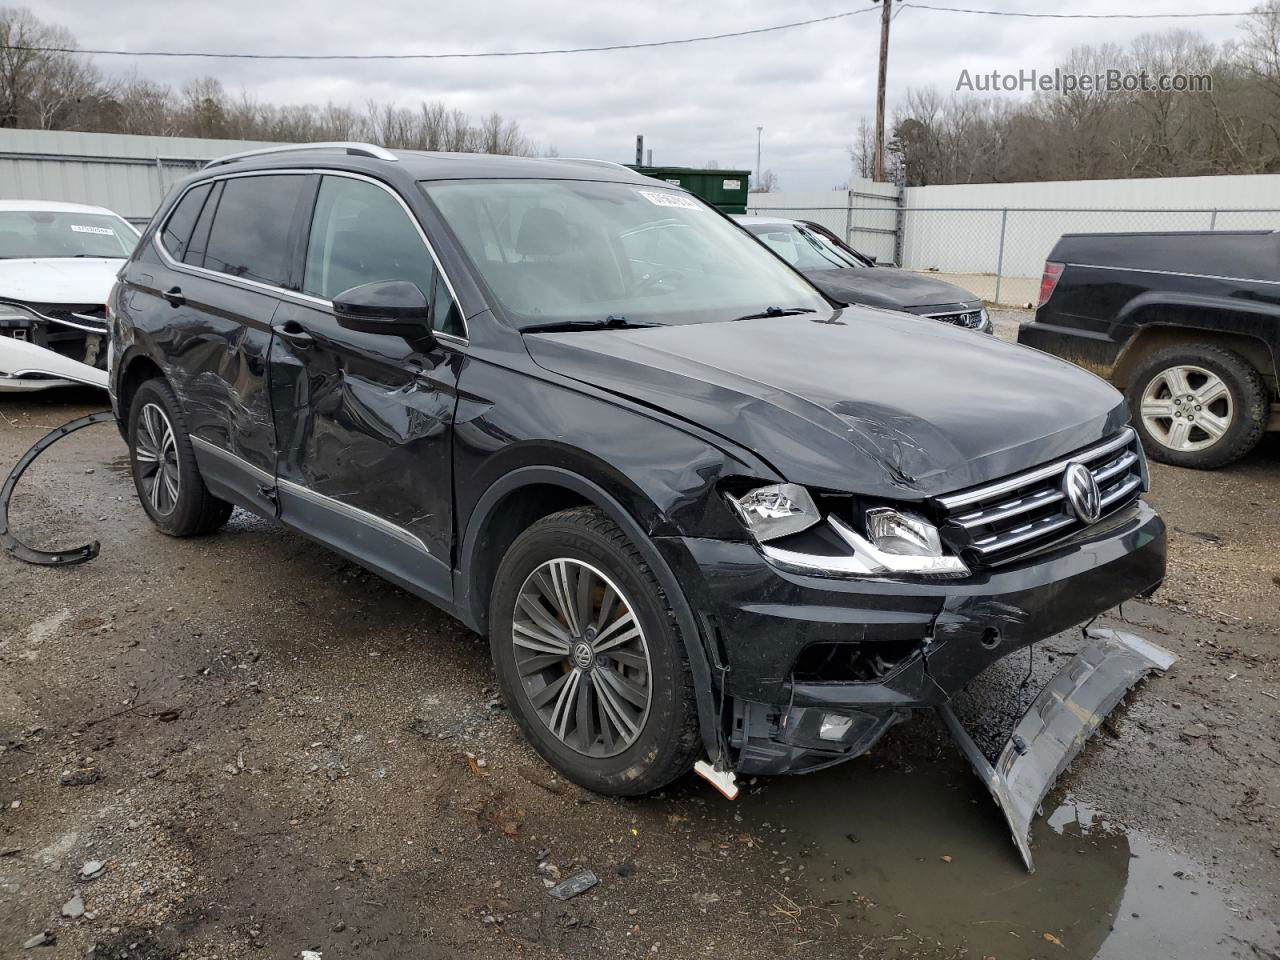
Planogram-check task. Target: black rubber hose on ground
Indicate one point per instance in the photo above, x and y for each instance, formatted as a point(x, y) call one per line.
point(11, 544)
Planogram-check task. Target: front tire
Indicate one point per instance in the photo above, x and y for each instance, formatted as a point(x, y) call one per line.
point(1197, 405)
point(165, 473)
point(589, 657)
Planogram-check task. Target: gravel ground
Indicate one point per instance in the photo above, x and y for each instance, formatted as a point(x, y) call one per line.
point(272, 751)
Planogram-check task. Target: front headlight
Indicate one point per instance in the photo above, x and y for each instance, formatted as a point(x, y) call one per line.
point(777, 510)
point(897, 542)
point(904, 543)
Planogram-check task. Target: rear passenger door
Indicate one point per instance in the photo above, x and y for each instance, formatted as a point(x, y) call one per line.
point(228, 251)
point(365, 420)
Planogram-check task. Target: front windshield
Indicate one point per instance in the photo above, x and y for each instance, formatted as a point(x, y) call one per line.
point(803, 248)
point(564, 251)
point(42, 234)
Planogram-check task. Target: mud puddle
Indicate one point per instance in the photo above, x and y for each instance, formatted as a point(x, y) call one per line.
point(918, 859)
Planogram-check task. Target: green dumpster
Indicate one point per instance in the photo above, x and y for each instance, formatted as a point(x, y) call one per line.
point(725, 189)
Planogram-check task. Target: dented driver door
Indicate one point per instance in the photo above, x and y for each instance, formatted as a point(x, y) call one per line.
point(364, 420)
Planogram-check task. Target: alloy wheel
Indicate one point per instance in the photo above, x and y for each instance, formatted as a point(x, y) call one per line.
point(156, 453)
point(1187, 408)
point(582, 658)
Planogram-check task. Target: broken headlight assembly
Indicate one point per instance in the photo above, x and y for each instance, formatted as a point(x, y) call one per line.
point(16, 321)
point(787, 524)
point(775, 511)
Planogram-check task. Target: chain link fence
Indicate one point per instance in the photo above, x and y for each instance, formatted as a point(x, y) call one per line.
point(997, 253)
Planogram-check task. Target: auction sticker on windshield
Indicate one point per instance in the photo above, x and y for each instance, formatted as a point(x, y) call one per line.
point(669, 199)
point(103, 231)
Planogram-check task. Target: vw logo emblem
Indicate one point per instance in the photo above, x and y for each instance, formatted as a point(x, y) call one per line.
point(1081, 491)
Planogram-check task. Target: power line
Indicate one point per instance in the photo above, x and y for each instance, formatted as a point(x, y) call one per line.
point(643, 45)
point(612, 46)
point(1074, 16)
point(439, 56)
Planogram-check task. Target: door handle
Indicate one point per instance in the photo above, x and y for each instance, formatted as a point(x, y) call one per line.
point(175, 296)
point(295, 332)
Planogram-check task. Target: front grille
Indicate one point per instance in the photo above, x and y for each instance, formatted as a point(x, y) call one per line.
point(1008, 519)
point(90, 318)
point(968, 318)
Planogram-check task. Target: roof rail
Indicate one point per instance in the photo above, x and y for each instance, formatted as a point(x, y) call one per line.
point(352, 149)
point(592, 160)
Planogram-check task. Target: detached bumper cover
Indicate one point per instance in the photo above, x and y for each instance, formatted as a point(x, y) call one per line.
point(26, 366)
point(1065, 714)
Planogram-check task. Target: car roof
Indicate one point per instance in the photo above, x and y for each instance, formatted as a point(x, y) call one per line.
point(767, 221)
point(429, 165)
point(483, 166)
point(53, 206)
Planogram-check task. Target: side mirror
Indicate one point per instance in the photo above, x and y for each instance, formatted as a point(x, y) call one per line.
point(393, 307)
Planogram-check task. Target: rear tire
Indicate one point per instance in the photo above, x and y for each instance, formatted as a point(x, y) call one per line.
point(589, 657)
point(1197, 405)
point(165, 473)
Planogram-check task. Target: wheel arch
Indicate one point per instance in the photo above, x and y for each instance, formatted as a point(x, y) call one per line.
point(1165, 325)
point(529, 493)
point(136, 369)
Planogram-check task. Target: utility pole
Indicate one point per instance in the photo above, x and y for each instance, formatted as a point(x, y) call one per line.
point(759, 131)
point(877, 172)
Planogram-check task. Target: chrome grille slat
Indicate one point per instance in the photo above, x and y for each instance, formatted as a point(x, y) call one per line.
point(964, 498)
point(1028, 511)
point(1022, 534)
point(981, 518)
point(1127, 487)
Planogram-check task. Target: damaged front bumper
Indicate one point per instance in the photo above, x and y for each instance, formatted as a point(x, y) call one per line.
point(1065, 714)
point(815, 670)
point(39, 351)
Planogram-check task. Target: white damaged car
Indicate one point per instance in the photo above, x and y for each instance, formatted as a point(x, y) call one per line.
point(57, 264)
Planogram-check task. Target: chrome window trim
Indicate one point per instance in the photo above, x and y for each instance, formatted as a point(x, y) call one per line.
point(298, 295)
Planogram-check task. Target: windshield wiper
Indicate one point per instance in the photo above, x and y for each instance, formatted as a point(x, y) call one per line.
point(611, 322)
point(776, 312)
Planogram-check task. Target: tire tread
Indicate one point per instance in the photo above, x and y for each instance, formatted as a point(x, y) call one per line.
point(1252, 409)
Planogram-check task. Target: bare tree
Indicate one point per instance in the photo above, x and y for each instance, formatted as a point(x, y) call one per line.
point(65, 91)
point(1109, 133)
point(862, 151)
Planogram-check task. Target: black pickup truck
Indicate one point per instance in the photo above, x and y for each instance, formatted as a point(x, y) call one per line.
point(1186, 324)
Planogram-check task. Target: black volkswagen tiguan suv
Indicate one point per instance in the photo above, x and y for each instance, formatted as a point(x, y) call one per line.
point(699, 510)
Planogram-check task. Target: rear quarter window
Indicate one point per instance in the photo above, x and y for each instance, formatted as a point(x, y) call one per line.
point(177, 229)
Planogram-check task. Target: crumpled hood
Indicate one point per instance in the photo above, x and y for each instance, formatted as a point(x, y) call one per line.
point(887, 287)
point(861, 400)
point(59, 280)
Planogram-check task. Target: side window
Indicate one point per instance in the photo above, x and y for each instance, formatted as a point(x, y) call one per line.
point(200, 235)
point(445, 317)
point(360, 234)
point(177, 229)
point(250, 233)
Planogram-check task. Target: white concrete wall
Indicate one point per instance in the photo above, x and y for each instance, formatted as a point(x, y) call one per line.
point(957, 228)
point(957, 239)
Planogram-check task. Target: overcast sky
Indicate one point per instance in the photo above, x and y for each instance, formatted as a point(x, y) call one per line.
point(808, 87)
